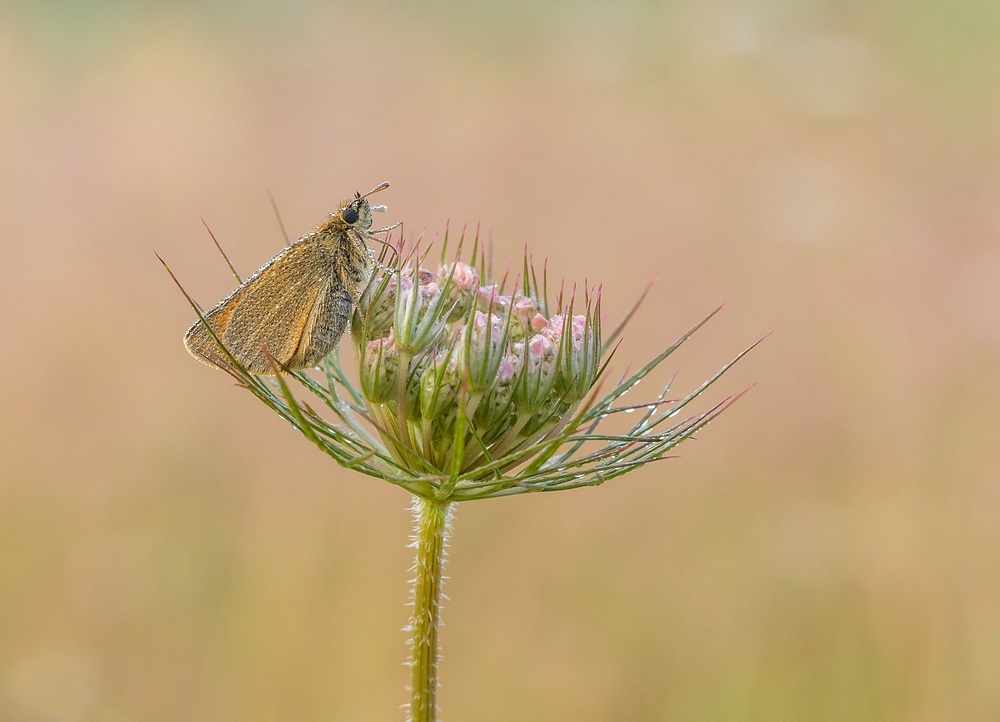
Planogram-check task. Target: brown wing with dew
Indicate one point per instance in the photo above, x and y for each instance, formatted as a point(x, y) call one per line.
point(199, 341)
point(272, 308)
point(327, 322)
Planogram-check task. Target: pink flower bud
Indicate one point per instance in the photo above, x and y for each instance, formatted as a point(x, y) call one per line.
point(407, 284)
point(554, 328)
point(538, 322)
point(524, 305)
point(464, 276)
point(508, 367)
point(388, 343)
point(490, 295)
point(539, 346)
point(479, 323)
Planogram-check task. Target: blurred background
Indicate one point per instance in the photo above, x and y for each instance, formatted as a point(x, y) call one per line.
point(828, 550)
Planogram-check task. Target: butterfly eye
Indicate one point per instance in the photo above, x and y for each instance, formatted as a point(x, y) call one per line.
point(349, 214)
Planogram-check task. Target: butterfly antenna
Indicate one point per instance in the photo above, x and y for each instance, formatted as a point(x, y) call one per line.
point(380, 187)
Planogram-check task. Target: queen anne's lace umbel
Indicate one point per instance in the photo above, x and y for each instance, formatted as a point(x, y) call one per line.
point(470, 389)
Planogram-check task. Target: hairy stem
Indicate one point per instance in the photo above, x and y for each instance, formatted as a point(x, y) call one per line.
point(432, 521)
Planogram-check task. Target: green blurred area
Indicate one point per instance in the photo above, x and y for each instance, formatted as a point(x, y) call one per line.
point(828, 550)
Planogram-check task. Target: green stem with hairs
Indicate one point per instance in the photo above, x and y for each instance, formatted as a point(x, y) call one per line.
point(432, 519)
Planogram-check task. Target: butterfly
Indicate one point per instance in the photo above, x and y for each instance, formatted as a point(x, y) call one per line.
point(296, 306)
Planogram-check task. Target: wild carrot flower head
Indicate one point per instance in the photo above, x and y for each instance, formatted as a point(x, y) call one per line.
point(470, 388)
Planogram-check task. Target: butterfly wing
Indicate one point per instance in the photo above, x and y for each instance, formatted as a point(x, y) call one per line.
point(327, 321)
point(272, 308)
point(199, 341)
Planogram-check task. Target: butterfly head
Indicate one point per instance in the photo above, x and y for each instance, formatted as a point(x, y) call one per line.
point(357, 212)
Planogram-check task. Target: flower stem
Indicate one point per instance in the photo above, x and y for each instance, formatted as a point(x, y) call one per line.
point(432, 521)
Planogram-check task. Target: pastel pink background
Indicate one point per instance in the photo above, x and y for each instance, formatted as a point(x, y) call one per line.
point(828, 550)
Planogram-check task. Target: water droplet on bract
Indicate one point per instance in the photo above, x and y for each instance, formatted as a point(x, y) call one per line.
point(650, 407)
point(629, 411)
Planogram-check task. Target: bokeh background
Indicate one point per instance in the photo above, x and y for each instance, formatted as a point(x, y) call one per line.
point(828, 550)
